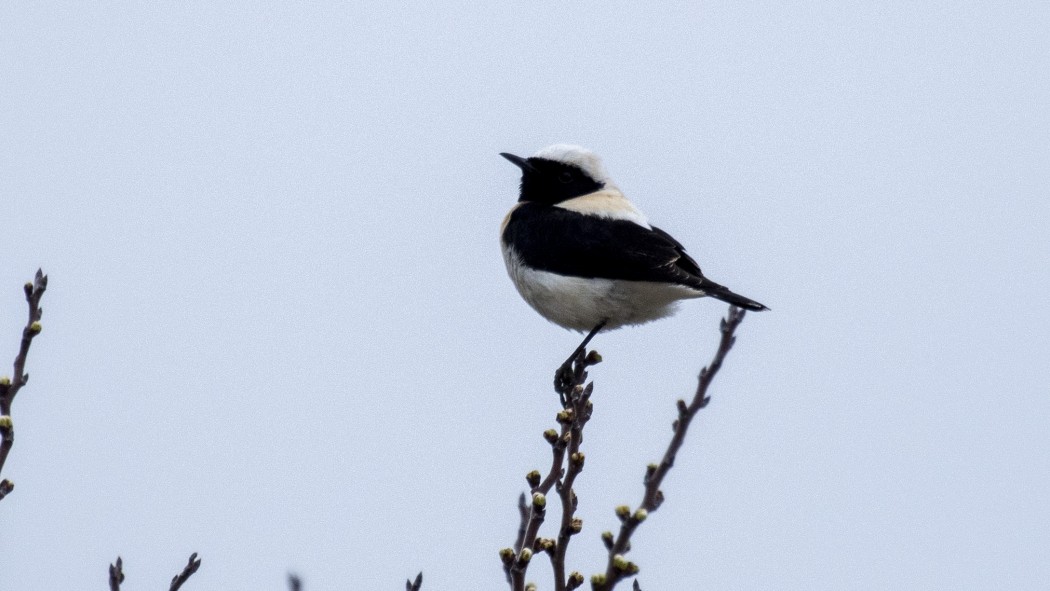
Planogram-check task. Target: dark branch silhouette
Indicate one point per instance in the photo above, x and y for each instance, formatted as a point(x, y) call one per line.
point(9, 386)
point(411, 585)
point(116, 573)
point(191, 567)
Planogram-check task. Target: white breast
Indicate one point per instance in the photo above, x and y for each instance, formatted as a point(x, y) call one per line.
point(580, 303)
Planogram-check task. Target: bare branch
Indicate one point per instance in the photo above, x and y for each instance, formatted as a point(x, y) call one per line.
point(618, 566)
point(191, 567)
point(116, 575)
point(294, 582)
point(411, 585)
point(9, 387)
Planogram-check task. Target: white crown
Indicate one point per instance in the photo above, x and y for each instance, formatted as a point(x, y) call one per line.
point(587, 160)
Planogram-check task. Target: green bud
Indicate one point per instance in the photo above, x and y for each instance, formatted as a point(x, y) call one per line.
point(620, 562)
point(543, 544)
point(533, 478)
point(5, 381)
point(525, 555)
point(623, 511)
point(539, 500)
point(640, 515)
point(598, 579)
point(35, 328)
point(5, 422)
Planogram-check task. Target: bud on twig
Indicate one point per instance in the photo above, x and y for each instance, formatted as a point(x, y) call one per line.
point(576, 525)
point(607, 539)
point(650, 471)
point(551, 436)
point(544, 545)
point(623, 512)
point(538, 500)
point(533, 478)
point(575, 580)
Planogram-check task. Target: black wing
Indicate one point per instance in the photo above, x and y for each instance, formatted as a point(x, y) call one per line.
point(570, 243)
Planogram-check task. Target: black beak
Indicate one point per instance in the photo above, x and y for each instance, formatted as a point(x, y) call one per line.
point(518, 161)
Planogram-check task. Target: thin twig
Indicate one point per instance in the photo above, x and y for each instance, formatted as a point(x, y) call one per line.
point(619, 567)
point(9, 387)
point(294, 582)
point(411, 585)
point(191, 567)
point(570, 525)
point(116, 575)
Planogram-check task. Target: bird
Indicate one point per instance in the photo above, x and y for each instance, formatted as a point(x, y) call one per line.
point(585, 258)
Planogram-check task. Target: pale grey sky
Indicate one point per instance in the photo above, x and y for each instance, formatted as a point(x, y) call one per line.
point(279, 332)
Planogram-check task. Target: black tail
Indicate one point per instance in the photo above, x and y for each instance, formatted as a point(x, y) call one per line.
point(722, 293)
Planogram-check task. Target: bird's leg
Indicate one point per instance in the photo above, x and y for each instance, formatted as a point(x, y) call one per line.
point(583, 345)
point(565, 376)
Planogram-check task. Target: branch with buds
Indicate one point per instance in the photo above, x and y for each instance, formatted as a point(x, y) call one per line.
point(9, 386)
point(567, 463)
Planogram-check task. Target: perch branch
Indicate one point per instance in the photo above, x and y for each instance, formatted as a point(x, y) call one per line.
point(565, 451)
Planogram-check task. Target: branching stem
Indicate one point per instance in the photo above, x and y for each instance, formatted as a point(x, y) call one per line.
point(9, 387)
point(653, 496)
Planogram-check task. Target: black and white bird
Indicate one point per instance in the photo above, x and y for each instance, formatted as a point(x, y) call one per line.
point(585, 257)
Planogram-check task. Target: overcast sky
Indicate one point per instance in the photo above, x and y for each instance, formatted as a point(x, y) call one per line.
point(279, 332)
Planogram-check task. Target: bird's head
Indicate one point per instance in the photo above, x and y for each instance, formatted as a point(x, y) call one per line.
point(559, 172)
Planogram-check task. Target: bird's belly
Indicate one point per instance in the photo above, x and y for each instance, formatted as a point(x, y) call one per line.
point(580, 303)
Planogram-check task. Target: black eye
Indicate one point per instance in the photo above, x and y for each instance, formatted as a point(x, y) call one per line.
point(565, 177)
